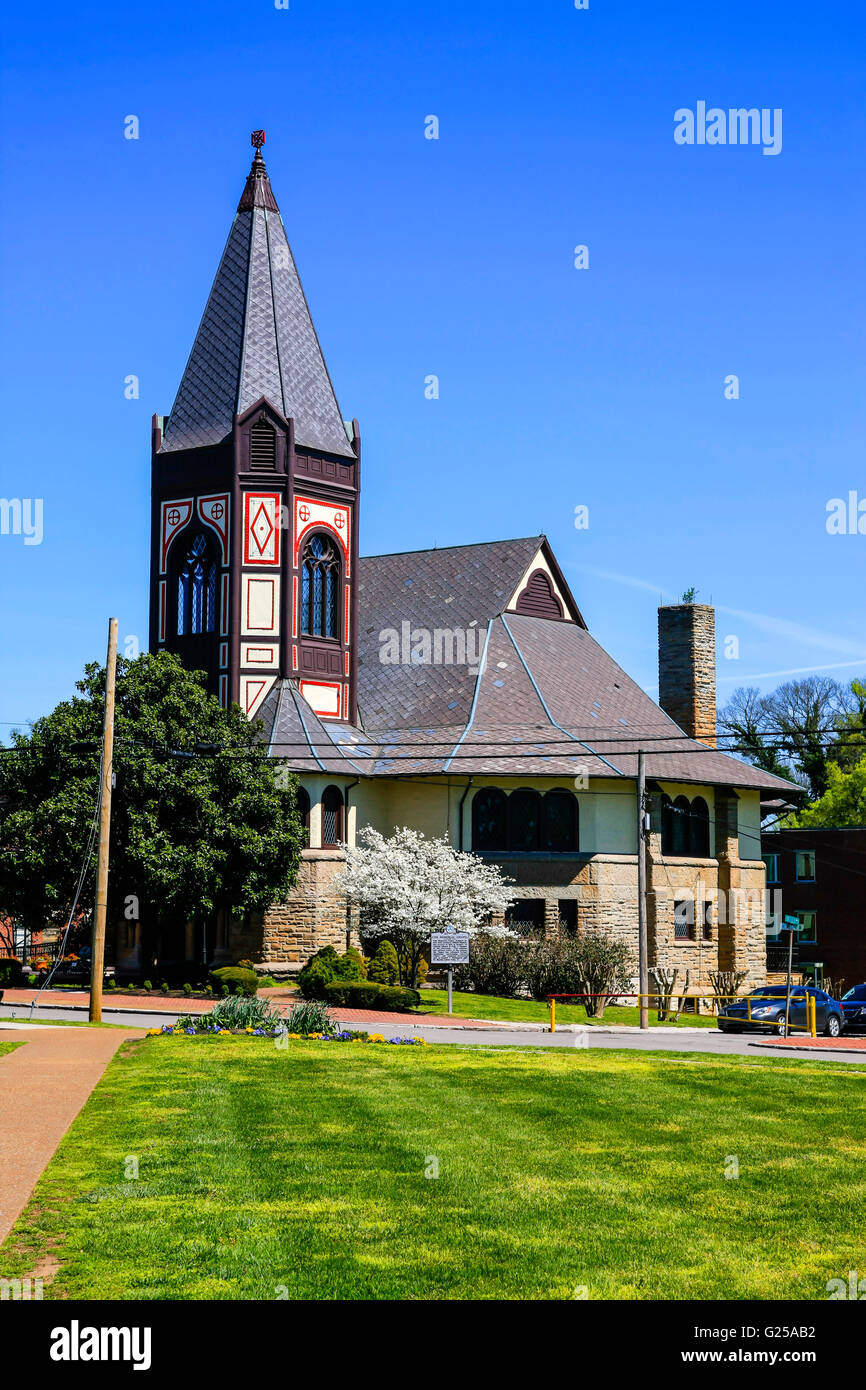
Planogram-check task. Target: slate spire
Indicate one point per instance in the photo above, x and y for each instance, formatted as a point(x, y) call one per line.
point(256, 338)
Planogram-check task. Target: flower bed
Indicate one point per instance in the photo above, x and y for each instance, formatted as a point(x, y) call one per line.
point(279, 1035)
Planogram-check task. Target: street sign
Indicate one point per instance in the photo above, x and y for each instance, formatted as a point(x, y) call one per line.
point(449, 948)
point(791, 921)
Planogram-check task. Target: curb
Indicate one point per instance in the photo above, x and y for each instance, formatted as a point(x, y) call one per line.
point(798, 1047)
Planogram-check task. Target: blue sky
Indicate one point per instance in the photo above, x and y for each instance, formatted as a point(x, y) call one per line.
point(558, 388)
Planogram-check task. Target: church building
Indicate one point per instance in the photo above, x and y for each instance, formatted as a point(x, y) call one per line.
point(457, 691)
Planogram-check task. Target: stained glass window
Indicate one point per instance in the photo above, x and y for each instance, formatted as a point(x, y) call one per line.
point(197, 589)
point(320, 589)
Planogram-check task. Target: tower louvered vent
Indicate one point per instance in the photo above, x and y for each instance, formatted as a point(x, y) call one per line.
point(538, 599)
point(263, 448)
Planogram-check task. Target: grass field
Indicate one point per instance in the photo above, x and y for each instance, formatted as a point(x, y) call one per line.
point(304, 1169)
point(9, 1046)
point(435, 1001)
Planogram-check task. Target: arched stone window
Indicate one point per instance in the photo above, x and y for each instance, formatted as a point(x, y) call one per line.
point(488, 819)
point(667, 824)
point(524, 820)
point(699, 829)
point(559, 831)
point(686, 827)
point(197, 587)
point(333, 816)
point(680, 825)
point(320, 588)
point(303, 808)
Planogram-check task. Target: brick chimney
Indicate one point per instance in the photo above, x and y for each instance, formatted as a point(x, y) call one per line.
point(687, 668)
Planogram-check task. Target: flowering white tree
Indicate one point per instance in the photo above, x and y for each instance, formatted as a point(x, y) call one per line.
point(408, 886)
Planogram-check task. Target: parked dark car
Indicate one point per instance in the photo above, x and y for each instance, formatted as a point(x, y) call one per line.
point(768, 1012)
point(854, 1008)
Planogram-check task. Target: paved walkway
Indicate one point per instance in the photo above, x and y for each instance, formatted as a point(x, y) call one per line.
point(43, 1085)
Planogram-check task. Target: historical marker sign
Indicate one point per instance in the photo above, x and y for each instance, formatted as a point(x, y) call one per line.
point(449, 948)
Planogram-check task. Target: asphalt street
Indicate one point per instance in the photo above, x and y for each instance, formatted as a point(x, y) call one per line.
point(686, 1040)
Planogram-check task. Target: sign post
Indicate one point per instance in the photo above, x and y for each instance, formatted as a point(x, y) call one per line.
point(450, 948)
point(791, 924)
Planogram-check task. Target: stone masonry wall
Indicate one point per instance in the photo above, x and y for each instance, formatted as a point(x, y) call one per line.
point(284, 937)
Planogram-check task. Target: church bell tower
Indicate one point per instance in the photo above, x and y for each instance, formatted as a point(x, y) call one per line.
point(255, 487)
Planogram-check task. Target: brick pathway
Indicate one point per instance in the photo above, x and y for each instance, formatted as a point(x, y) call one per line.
point(43, 1085)
point(142, 1003)
point(844, 1044)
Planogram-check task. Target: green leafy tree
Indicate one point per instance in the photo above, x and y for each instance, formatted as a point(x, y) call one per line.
point(746, 724)
point(200, 820)
point(843, 803)
point(851, 744)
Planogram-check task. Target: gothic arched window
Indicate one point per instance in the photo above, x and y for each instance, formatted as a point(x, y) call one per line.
point(524, 819)
point(680, 825)
point(699, 829)
point(332, 818)
point(488, 819)
point(302, 802)
point(667, 824)
point(197, 588)
point(320, 588)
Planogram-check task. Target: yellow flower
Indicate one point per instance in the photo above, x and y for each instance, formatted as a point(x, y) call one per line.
point(225, 1032)
point(248, 1030)
point(376, 1037)
point(314, 1035)
point(154, 1032)
point(295, 1036)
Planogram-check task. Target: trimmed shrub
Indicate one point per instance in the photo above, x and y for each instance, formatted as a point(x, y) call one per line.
point(239, 980)
point(497, 965)
point(590, 963)
point(147, 986)
point(314, 979)
point(187, 989)
point(366, 994)
point(10, 970)
point(384, 967)
point(164, 986)
point(326, 965)
point(317, 972)
point(350, 966)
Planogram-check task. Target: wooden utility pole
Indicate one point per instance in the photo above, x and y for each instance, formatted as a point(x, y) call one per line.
point(643, 970)
point(97, 957)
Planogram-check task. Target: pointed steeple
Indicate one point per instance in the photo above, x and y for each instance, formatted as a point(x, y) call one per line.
point(256, 338)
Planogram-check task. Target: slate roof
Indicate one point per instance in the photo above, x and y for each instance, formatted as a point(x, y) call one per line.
point(256, 338)
point(546, 701)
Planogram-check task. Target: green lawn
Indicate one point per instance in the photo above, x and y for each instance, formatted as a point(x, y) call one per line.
point(9, 1046)
point(435, 1001)
point(304, 1169)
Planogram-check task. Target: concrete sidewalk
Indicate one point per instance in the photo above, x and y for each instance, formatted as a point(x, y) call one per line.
point(43, 1085)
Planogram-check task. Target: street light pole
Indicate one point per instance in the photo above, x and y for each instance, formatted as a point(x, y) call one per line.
point(97, 956)
point(643, 970)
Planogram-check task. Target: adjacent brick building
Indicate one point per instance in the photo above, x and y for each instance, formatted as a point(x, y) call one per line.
point(820, 877)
